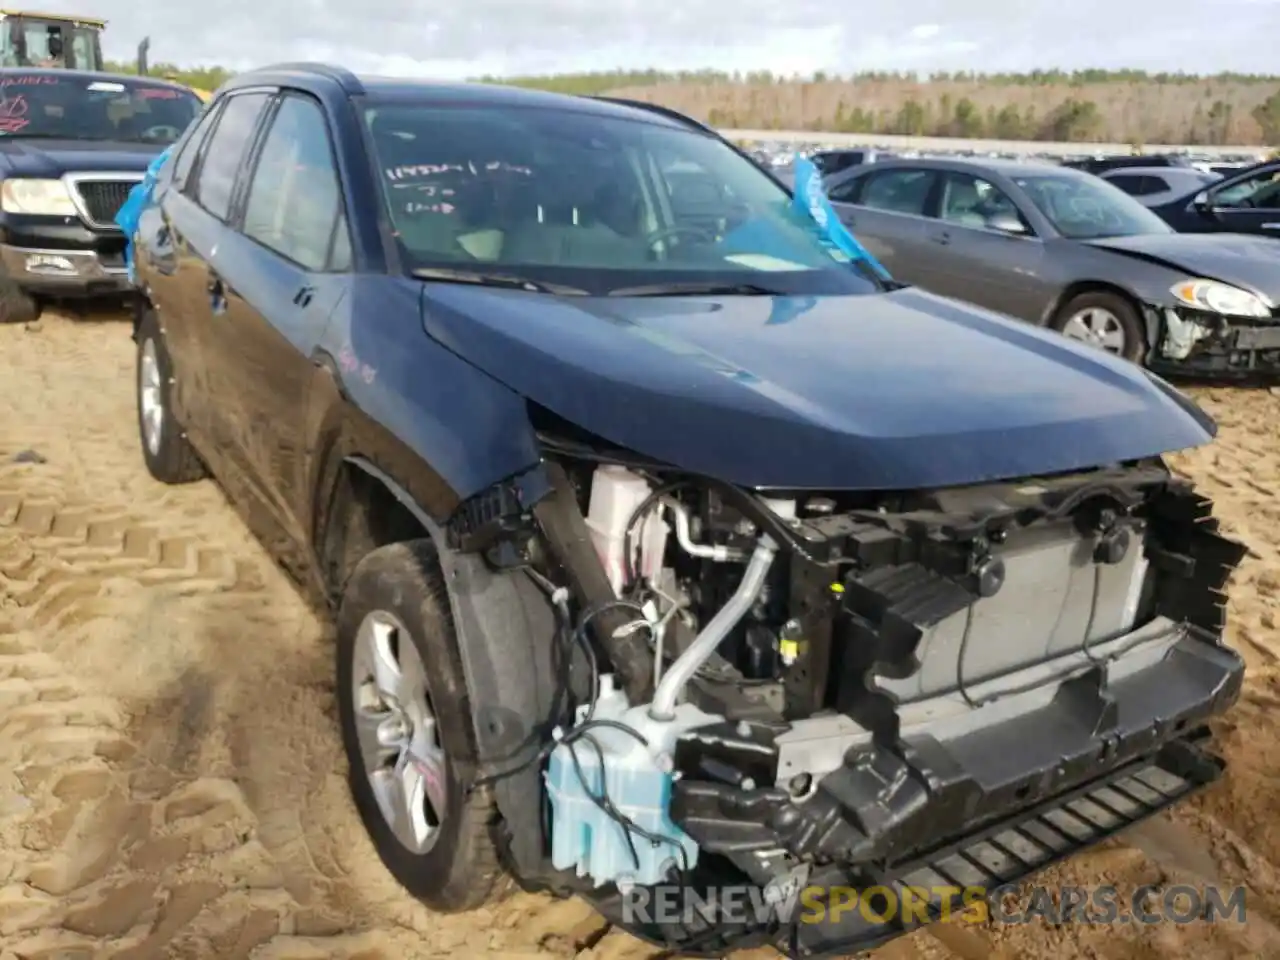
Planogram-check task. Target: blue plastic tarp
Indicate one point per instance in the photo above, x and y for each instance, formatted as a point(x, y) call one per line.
point(811, 199)
point(131, 209)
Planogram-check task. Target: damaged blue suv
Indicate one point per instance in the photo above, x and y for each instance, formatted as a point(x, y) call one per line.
point(671, 550)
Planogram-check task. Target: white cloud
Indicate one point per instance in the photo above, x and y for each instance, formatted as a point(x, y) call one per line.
point(527, 36)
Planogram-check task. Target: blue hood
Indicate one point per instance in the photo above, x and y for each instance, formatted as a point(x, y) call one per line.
point(889, 391)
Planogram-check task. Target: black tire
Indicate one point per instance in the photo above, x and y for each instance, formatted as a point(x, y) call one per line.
point(462, 870)
point(16, 305)
point(1135, 336)
point(174, 460)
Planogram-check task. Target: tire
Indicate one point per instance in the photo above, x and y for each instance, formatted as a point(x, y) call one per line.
point(16, 305)
point(169, 456)
point(461, 870)
point(1119, 309)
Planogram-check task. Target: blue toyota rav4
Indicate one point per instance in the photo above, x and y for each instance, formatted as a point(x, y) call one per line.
point(668, 546)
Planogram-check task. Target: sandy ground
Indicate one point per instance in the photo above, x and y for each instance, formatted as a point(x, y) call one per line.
point(171, 782)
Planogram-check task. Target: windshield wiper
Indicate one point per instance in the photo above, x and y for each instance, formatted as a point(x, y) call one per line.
point(505, 281)
point(696, 288)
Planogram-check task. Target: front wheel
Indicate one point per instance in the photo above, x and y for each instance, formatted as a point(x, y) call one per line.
point(1104, 320)
point(168, 453)
point(16, 305)
point(406, 728)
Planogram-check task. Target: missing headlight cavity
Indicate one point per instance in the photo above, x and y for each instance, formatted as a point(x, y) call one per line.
point(1183, 331)
point(846, 681)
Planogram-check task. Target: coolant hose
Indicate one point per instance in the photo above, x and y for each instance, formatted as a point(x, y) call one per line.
point(704, 645)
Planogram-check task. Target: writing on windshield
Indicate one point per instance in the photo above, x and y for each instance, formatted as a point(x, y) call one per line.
point(592, 201)
point(40, 105)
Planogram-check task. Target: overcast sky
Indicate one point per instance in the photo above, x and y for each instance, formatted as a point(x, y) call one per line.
point(451, 39)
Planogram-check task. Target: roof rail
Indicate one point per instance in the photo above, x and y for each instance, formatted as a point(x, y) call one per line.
point(340, 75)
point(658, 109)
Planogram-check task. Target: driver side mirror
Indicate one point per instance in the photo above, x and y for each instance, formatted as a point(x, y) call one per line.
point(1007, 223)
point(1202, 204)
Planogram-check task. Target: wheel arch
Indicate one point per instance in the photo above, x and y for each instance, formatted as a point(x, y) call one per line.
point(1150, 319)
point(505, 628)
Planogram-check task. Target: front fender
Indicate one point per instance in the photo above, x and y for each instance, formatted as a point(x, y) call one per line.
point(470, 430)
point(506, 631)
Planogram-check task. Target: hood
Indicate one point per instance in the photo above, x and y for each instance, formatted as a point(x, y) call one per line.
point(1249, 262)
point(886, 391)
point(53, 158)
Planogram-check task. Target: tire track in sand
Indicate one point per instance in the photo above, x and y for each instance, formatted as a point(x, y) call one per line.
point(172, 781)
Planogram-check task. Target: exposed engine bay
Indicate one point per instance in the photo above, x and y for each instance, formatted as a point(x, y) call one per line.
point(849, 682)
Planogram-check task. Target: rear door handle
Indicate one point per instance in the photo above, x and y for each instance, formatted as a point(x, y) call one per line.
point(942, 238)
point(303, 297)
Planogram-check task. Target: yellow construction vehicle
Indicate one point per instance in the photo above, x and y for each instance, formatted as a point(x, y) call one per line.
point(69, 41)
point(30, 39)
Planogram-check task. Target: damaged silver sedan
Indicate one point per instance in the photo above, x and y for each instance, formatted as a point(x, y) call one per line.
point(1069, 251)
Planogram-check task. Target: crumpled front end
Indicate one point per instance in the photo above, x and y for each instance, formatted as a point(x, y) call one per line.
point(934, 691)
point(1201, 344)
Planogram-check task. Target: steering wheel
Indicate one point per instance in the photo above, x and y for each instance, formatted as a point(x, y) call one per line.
point(654, 237)
point(161, 131)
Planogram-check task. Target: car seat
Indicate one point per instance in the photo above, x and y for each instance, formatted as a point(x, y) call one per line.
point(962, 203)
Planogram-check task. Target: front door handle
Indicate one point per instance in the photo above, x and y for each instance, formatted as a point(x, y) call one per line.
point(303, 297)
point(942, 238)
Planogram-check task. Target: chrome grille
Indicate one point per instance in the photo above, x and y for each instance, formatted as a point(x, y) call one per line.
point(101, 200)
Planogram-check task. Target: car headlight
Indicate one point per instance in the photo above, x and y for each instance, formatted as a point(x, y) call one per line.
point(43, 197)
point(1217, 297)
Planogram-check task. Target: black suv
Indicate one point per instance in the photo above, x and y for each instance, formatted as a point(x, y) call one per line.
point(1121, 161)
point(572, 419)
point(72, 145)
point(1247, 201)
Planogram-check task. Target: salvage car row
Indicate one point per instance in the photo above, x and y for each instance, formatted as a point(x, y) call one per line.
point(1064, 249)
point(669, 544)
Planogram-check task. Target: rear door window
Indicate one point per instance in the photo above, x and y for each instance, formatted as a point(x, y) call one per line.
point(899, 191)
point(226, 151)
point(295, 200)
point(191, 147)
point(1129, 183)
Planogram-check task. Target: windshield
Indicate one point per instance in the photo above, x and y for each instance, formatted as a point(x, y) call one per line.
point(592, 201)
point(1089, 208)
point(51, 105)
point(36, 42)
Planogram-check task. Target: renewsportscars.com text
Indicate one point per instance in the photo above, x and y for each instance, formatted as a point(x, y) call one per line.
point(911, 906)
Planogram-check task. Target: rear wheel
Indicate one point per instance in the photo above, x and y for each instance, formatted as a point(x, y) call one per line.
point(406, 727)
point(168, 453)
point(1104, 320)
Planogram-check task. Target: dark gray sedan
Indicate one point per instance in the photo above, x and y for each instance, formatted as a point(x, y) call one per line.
point(1067, 250)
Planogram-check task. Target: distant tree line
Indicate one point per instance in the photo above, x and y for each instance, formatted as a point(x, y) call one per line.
point(1052, 105)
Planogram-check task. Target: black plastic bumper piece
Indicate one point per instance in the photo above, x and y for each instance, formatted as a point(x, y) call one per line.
point(942, 882)
point(1008, 800)
point(889, 801)
point(1006, 853)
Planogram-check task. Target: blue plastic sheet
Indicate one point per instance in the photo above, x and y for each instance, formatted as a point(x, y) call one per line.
point(811, 199)
point(129, 212)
